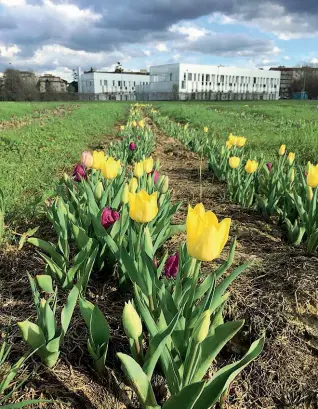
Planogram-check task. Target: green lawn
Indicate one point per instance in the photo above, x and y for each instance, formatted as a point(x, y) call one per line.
point(266, 124)
point(32, 156)
point(20, 109)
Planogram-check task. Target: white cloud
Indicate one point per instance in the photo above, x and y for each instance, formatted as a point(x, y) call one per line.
point(286, 58)
point(191, 32)
point(9, 51)
point(161, 47)
point(314, 61)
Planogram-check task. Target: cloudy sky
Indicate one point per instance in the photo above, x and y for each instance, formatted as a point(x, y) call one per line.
point(59, 35)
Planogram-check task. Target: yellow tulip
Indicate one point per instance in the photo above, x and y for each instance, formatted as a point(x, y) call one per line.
point(186, 126)
point(291, 158)
point(124, 195)
point(133, 185)
point(251, 166)
point(234, 162)
point(205, 129)
point(141, 123)
point(139, 169)
point(228, 144)
point(143, 207)
point(148, 164)
point(241, 141)
point(308, 166)
point(206, 237)
point(233, 139)
point(110, 168)
point(312, 177)
point(134, 124)
point(282, 150)
point(98, 159)
point(122, 127)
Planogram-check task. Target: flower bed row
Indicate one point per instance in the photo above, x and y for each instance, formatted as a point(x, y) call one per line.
point(282, 188)
point(116, 210)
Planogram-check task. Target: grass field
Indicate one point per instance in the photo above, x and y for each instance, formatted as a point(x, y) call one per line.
point(266, 124)
point(32, 155)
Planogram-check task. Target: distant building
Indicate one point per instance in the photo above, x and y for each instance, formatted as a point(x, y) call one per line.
point(105, 85)
point(293, 75)
point(192, 81)
point(50, 83)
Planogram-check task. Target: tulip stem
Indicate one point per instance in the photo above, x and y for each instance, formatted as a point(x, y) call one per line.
point(138, 351)
point(151, 304)
point(191, 364)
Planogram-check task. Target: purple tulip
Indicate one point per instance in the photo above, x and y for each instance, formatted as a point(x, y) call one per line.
point(132, 146)
point(269, 166)
point(155, 175)
point(171, 266)
point(79, 173)
point(109, 216)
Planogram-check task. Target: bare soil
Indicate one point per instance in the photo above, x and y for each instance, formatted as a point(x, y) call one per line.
point(278, 295)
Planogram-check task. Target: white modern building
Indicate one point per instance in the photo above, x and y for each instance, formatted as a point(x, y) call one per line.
point(192, 81)
point(104, 85)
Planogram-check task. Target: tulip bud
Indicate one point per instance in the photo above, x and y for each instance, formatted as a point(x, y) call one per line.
point(131, 322)
point(310, 193)
point(133, 185)
point(99, 189)
point(171, 266)
point(282, 150)
point(79, 173)
point(132, 146)
point(148, 240)
point(308, 166)
point(292, 175)
point(201, 329)
point(269, 166)
point(109, 217)
point(124, 195)
point(163, 184)
point(66, 177)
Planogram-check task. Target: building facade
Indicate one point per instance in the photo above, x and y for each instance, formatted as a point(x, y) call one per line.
point(51, 84)
point(295, 77)
point(192, 81)
point(102, 85)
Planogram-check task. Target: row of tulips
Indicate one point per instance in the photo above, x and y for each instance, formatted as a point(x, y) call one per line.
point(282, 188)
point(117, 214)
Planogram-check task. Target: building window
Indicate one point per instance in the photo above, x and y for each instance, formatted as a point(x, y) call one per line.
point(105, 83)
point(184, 76)
point(199, 77)
point(242, 80)
point(170, 76)
point(101, 82)
point(189, 76)
point(254, 80)
point(113, 83)
point(134, 83)
point(222, 78)
point(183, 84)
point(194, 77)
point(119, 83)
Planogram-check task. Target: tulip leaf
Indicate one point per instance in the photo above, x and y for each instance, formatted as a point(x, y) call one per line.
point(221, 381)
point(26, 235)
point(32, 334)
point(213, 344)
point(99, 328)
point(68, 309)
point(112, 245)
point(80, 236)
point(45, 283)
point(48, 248)
point(49, 320)
point(86, 308)
point(139, 381)
point(222, 287)
point(20, 405)
point(186, 398)
point(156, 346)
point(132, 271)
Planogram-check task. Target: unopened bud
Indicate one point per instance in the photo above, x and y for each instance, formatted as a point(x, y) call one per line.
point(292, 175)
point(124, 195)
point(163, 184)
point(66, 177)
point(131, 322)
point(133, 185)
point(99, 189)
point(201, 330)
point(309, 193)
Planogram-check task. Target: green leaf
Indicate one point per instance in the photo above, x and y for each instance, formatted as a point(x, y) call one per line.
point(26, 235)
point(86, 308)
point(20, 405)
point(156, 346)
point(139, 381)
point(49, 320)
point(48, 248)
point(99, 328)
point(186, 398)
point(213, 344)
point(44, 281)
point(67, 311)
point(32, 334)
point(80, 235)
point(223, 378)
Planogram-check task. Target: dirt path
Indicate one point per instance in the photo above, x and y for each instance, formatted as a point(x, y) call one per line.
point(278, 294)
